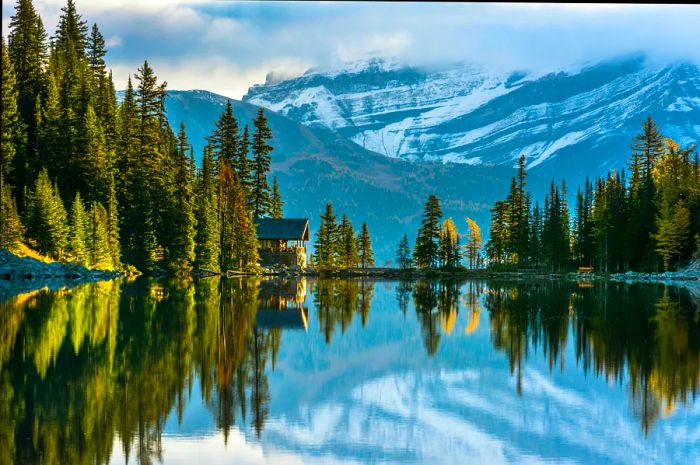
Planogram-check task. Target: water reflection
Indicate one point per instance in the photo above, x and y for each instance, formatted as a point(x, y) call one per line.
point(87, 368)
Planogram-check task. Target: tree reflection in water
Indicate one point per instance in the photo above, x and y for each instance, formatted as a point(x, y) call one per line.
point(80, 367)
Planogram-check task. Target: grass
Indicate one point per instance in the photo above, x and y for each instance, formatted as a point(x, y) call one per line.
point(24, 251)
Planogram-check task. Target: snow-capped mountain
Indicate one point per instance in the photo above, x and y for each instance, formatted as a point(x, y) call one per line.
point(575, 120)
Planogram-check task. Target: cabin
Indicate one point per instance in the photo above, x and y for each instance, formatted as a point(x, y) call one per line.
point(283, 241)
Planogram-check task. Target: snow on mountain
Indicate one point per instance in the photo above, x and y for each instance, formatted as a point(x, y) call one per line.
point(574, 120)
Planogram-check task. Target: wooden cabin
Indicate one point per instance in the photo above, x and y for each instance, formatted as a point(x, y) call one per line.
point(283, 241)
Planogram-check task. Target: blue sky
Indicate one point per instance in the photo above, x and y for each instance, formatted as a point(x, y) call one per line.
point(227, 46)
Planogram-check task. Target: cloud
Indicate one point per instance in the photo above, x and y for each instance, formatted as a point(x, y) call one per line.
point(228, 46)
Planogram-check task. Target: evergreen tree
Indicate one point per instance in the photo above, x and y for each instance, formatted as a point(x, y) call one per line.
point(181, 248)
point(207, 229)
point(347, 251)
point(403, 254)
point(364, 246)
point(260, 190)
point(226, 140)
point(426, 251)
point(11, 227)
point(535, 236)
point(647, 148)
point(96, 52)
point(497, 246)
point(113, 226)
point(77, 245)
point(98, 243)
point(326, 243)
point(27, 50)
point(12, 130)
point(48, 222)
point(276, 204)
point(243, 163)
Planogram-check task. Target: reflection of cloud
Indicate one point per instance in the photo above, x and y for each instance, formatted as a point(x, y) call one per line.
point(257, 37)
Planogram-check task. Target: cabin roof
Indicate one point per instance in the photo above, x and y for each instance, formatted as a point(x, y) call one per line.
point(287, 229)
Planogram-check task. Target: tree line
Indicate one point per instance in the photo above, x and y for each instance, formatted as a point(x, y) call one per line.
point(646, 220)
point(86, 179)
point(438, 244)
point(337, 245)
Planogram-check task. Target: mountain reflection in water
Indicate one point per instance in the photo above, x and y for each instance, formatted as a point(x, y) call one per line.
point(350, 370)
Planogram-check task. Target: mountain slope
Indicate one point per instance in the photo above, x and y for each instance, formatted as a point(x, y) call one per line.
point(567, 122)
point(315, 165)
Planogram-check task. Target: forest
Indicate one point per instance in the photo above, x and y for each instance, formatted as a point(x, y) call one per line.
point(110, 185)
point(646, 220)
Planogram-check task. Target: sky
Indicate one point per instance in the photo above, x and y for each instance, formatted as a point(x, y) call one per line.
point(227, 46)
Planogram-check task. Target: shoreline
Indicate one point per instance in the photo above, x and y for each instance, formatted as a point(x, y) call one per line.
point(16, 268)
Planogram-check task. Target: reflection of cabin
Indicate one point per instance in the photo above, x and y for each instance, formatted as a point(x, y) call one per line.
point(283, 241)
point(282, 304)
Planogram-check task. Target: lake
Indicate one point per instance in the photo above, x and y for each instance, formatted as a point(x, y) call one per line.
point(278, 371)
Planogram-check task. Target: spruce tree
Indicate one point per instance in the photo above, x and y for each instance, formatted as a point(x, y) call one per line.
point(347, 251)
point(96, 52)
point(79, 233)
point(11, 126)
point(226, 140)
point(182, 221)
point(207, 227)
point(276, 203)
point(426, 251)
point(364, 242)
point(403, 254)
point(48, 221)
point(28, 53)
point(98, 243)
point(497, 246)
point(260, 189)
point(326, 244)
point(11, 227)
point(113, 226)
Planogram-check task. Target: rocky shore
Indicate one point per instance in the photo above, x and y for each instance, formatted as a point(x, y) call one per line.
point(13, 267)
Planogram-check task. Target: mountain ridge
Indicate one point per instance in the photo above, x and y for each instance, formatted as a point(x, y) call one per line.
point(569, 122)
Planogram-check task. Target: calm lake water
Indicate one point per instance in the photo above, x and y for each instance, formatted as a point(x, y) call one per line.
point(347, 371)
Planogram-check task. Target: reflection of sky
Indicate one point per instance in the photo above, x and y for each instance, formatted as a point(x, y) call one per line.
point(374, 396)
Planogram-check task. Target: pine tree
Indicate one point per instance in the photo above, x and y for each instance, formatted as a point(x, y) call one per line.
point(48, 222)
point(449, 244)
point(96, 52)
point(113, 226)
point(426, 251)
point(326, 243)
point(182, 221)
point(403, 254)
point(98, 243)
point(26, 48)
point(260, 190)
point(207, 229)
point(497, 246)
point(347, 248)
point(77, 244)
point(11, 227)
point(276, 203)
point(12, 130)
point(226, 140)
point(364, 242)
